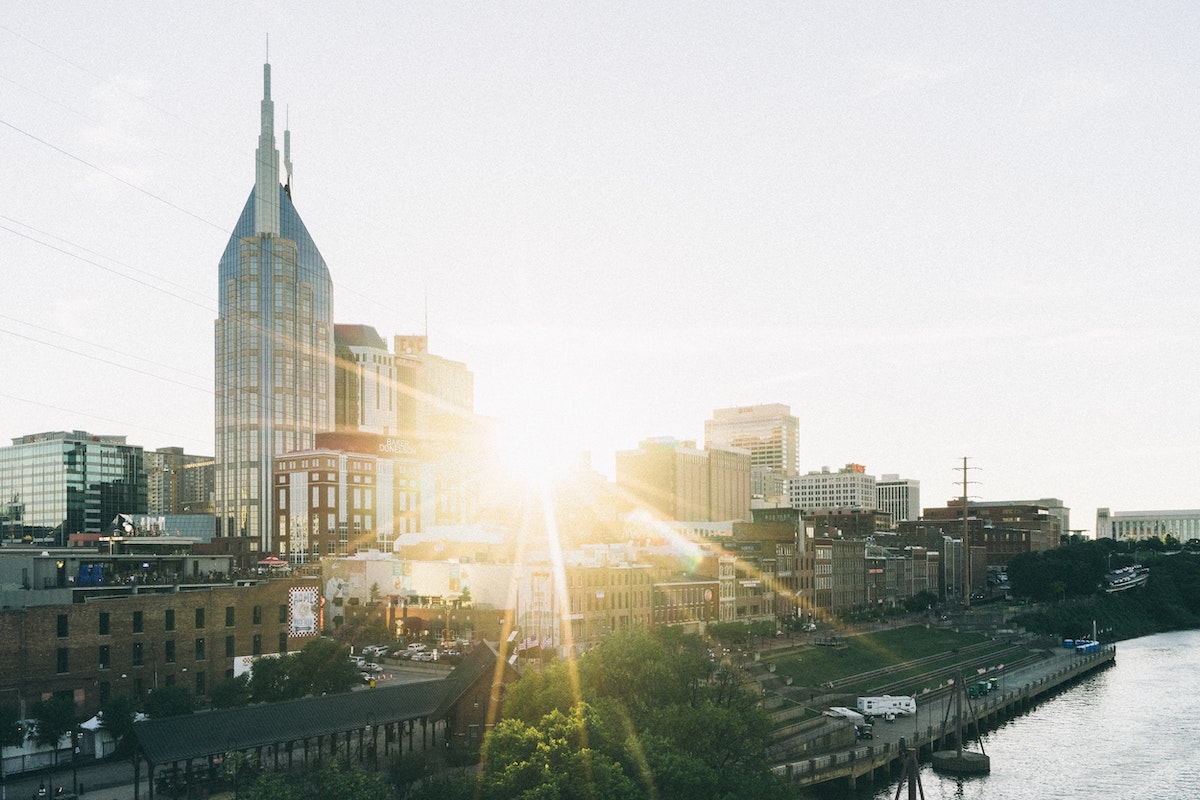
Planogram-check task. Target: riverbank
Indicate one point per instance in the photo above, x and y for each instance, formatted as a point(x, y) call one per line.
point(1118, 732)
point(1016, 690)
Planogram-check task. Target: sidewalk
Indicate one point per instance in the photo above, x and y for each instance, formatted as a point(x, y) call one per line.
point(103, 780)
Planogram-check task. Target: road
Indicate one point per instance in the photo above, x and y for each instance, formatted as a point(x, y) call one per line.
point(932, 711)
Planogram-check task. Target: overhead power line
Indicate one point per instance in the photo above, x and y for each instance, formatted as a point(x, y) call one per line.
point(124, 423)
point(114, 176)
point(147, 284)
point(106, 361)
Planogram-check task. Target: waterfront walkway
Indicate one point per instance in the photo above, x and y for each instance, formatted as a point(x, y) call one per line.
point(932, 727)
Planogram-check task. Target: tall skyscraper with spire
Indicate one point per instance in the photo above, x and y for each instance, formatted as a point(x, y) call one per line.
point(274, 344)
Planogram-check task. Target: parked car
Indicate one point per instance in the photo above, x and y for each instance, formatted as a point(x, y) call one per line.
point(424, 655)
point(375, 650)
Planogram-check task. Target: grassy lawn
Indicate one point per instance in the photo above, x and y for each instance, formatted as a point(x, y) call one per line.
point(810, 665)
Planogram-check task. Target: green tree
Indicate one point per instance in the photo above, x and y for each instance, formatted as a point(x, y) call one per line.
point(116, 717)
point(645, 714)
point(11, 732)
point(1074, 570)
point(921, 601)
point(239, 768)
point(555, 759)
point(272, 679)
point(169, 701)
point(273, 786)
point(645, 670)
point(53, 718)
point(352, 783)
point(232, 692)
point(324, 667)
point(677, 775)
point(539, 692)
point(407, 768)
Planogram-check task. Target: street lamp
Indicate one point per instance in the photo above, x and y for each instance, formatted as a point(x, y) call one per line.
point(76, 741)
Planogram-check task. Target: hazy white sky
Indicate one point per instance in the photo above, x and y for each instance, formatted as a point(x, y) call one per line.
point(934, 230)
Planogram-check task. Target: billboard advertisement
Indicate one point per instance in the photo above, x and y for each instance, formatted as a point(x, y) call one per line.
point(304, 611)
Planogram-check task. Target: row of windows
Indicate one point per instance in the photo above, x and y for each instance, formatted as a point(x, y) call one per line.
point(138, 621)
point(137, 654)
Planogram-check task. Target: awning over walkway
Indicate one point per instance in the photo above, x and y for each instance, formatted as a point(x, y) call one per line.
point(205, 733)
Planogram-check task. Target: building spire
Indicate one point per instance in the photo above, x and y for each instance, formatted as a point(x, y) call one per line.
point(266, 173)
point(287, 151)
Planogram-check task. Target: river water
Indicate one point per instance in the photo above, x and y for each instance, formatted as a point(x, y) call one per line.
point(1131, 731)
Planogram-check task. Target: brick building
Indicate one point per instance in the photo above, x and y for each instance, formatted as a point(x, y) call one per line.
point(93, 643)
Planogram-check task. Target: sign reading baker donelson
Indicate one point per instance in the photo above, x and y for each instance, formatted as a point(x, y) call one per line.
point(304, 611)
point(397, 447)
point(390, 447)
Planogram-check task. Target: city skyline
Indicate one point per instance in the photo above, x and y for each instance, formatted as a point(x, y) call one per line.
point(933, 233)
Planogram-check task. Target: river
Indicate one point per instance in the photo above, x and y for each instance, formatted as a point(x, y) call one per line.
point(1131, 731)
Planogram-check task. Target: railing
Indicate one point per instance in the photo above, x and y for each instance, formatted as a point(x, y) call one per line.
point(864, 758)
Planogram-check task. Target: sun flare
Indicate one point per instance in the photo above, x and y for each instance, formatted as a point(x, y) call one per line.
point(534, 454)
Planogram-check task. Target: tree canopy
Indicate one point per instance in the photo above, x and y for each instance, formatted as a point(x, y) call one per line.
point(1074, 570)
point(322, 667)
point(116, 717)
point(645, 714)
point(333, 780)
point(169, 701)
point(11, 732)
point(53, 718)
point(232, 692)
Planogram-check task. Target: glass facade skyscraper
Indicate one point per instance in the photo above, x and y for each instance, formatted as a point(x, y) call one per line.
point(59, 483)
point(274, 342)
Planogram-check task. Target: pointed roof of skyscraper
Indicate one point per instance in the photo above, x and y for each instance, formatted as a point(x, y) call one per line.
point(266, 172)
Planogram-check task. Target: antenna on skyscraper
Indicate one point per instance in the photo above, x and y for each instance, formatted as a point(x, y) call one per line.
point(426, 313)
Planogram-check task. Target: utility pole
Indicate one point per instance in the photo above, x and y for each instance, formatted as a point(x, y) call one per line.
point(966, 545)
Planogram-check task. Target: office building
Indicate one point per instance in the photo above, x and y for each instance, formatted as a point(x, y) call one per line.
point(900, 497)
point(679, 481)
point(1033, 516)
point(274, 344)
point(1052, 507)
point(364, 381)
point(849, 487)
point(436, 401)
point(847, 523)
point(430, 388)
point(178, 483)
point(769, 432)
point(350, 494)
point(1183, 525)
point(56, 484)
